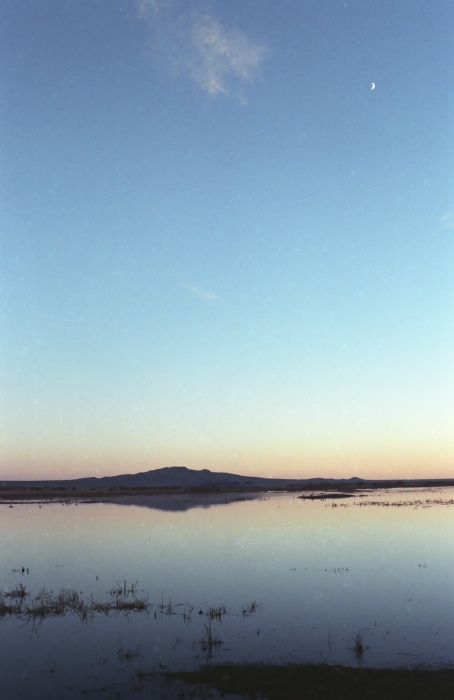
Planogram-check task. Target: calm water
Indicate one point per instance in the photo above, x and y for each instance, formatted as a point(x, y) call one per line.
point(298, 579)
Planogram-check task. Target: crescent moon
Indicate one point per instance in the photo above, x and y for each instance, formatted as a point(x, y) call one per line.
point(373, 86)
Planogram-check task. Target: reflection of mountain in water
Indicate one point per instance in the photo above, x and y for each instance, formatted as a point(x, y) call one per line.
point(192, 483)
point(180, 502)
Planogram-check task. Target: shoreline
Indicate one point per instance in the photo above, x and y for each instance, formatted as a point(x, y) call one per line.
point(43, 493)
point(299, 681)
point(97, 495)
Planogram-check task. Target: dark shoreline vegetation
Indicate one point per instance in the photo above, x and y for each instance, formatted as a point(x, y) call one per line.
point(301, 681)
point(335, 490)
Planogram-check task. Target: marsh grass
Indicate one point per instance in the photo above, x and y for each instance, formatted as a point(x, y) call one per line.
point(427, 503)
point(359, 647)
point(187, 614)
point(209, 640)
point(122, 588)
point(101, 607)
point(16, 596)
point(128, 654)
point(69, 601)
point(135, 605)
point(122, 598)
point(250, 608)
point(46, 604)
point(118, 605)
point(6, 609)
point(19, 592)
point(167, 608)
point(216, 613)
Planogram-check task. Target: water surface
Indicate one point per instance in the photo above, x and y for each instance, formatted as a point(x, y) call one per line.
point(299, 579)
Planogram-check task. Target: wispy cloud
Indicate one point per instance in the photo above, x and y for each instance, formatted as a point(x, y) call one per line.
point(202, 293)
point(447, 220)
point(218, 59)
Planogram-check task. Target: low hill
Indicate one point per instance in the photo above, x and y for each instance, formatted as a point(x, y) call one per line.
point(176, 477)
point(184, 478)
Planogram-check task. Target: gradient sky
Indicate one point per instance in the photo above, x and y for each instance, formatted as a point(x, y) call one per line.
point(221, 248)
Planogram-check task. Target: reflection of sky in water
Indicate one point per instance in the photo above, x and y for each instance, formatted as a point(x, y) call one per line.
point(321, 570)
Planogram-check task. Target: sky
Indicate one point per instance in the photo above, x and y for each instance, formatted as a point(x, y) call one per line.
point(227, 237)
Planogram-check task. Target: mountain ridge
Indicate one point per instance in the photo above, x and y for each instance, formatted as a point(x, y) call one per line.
point(175, 476)
point(183, 477)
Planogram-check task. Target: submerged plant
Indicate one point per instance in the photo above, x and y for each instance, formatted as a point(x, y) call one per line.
point(216, 613)
point(17, 595)
point(209, 640)
point(250, 608)
point(123, 588)
point(19, 592)
point(6, 609)
point(128, 654)
point(359, 647)
point(45, 604)
point(166, 608)
point(137, 604)
point(187, 614)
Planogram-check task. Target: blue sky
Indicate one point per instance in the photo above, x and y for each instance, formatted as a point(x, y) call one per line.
point(220, 246)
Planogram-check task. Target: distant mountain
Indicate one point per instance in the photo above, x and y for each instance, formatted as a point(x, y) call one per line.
point(180, 477)
point(184, 478)
point(176, 477)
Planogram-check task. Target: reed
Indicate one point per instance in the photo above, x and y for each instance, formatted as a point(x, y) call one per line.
point(136, 605)
point(216, 613)
point(128, 654)
point(19, 592)
point(68, 601)
point(122, 588)
point(250, 608)
point(359, 647)
point(123, 598)
point(209, 640)
point(6, 609)
point(166, 608)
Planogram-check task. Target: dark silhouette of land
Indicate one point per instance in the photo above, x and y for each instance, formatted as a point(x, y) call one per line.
point(181, 480)
point(298, 682)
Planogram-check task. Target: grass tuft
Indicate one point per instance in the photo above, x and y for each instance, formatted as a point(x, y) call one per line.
point(209, 640)
point(359, 647)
